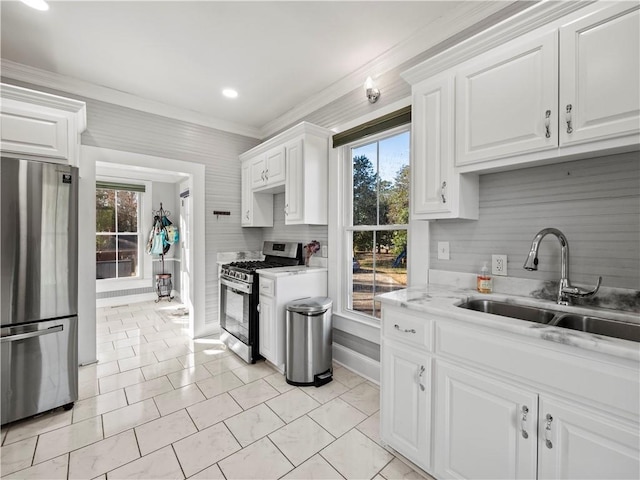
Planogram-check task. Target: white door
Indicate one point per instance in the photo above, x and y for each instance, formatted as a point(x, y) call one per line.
point(506, 101)
point(266, 329)
point(485, 428)
point(574, 443)
point(406, 402)
point(185, 274)
point(600, 75)
point(293, 193)
point(275, 169)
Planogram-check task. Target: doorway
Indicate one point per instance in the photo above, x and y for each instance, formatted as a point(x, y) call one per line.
point(185, 252)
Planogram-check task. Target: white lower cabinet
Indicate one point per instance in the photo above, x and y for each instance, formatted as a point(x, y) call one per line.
point(467, 402)
point(406, 402)
point(485, 428)
point(267, 329)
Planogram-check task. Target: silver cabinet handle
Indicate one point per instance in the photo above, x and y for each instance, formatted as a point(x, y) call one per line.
point(286, 209)
point(567, 117)
point(37, 333)
point(523, 421)
point(547, 431)
point(443, 192)
point(420, 377)
point(247, 215)
point(266, 174)
point(547, 123)
point(405, 330)
point(262, 176)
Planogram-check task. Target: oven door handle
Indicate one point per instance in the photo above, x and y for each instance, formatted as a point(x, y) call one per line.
point(244, 288)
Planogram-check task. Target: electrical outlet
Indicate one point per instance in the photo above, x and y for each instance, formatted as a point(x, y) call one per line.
point(443, 250)
point(324, 251)
point(499, 265)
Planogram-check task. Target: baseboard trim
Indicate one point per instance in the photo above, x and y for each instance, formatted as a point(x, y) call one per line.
point(356, 362)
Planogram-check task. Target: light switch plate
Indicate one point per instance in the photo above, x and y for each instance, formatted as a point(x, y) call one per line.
point(499, 265)
point(324, 251)
point(443, 250)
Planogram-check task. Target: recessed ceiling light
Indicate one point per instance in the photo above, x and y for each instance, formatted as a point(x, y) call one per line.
point(229, 93)
point(37, 4)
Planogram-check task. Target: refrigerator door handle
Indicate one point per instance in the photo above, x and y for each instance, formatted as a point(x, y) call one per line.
point(37, 333)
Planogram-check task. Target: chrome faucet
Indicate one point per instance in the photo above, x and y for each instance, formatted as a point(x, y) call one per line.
point(565, 290)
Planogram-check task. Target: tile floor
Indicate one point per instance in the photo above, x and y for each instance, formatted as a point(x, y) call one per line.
point(158, 405)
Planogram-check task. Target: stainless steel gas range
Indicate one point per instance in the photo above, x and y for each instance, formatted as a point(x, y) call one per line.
point(239, 297)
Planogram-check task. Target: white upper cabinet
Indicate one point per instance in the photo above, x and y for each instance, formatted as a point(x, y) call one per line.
point(268, 170)
point(600, 75)
point(41, 126)
point(506, 101)
point(256, 208)
point(437, 190)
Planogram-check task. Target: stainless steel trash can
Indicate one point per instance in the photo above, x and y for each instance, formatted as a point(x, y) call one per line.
point(309, 339)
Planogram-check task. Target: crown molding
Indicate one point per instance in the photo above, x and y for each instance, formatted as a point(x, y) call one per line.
point(303, 128)
point(534, 17)
point(55, 81)
point(465, 16)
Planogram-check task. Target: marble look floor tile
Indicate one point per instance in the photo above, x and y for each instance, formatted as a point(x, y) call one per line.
point(301, 439)
point(138, 361)
point(260, 460)
point(211, 473)
point(154, 337)
point(104, 347)
point(224, 363)
point(253, 424)
point(254, 393)
point(88, 389)
point(279, 382)
point(161, 368)
point(118, 354)
point(128, 417)
point(147, 348)
point(347, 377)
point(327, 392)
point(177, 399)
point(103, 456)
point(54, 469)
point(104, 369)
point(316, 468)
point(219, 384)
point(162, 464)
point(111, 337)
point(164, 431)
point(17, 456)
point(149, 389)
point(251, 373)
point(337, 417)
point(292, 404)
point(203, 449)
point(216, 367)
point(364, 397)
point(200, 358)
point(35, 426)
point(356, 456)
point(214, 410)
point(129, 342)
point(397, 470)
point(371, 427)
point(171, 352)
point(120, 380)
point(98, 405)
point(188, 376)
point(63, 440)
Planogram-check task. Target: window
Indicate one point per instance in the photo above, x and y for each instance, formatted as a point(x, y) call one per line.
point(376, 228)
point(118, 241)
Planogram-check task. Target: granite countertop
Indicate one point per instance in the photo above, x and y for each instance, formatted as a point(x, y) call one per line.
point(286, 271)
point(443, 300)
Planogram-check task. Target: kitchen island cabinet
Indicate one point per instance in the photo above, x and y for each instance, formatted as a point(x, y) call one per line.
point(505, 398)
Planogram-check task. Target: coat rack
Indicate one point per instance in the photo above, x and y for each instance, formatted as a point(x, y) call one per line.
point(161, 221)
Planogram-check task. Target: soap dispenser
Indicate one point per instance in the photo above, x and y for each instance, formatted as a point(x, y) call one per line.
point(484, 280)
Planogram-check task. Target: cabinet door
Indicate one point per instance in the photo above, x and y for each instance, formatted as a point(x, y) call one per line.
point(406, 402)
point(484, 428)
point(246, 199)
point(275, 166)
point(294, 186)
point(506, 100)
point(258, 168)
point(432, 120)
point(574, 443)
point(600, 75)
point(266, 330)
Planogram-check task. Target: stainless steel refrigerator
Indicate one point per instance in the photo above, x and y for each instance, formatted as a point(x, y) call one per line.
point(38, 287)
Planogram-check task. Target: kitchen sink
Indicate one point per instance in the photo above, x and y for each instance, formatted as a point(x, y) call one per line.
point(530, 314)
point(555, 318)
point(600, 326)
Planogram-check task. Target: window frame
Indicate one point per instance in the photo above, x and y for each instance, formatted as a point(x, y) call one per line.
point(346, 227)
point(145, 265)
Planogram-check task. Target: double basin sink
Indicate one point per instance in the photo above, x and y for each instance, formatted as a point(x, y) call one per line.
point(556, 318)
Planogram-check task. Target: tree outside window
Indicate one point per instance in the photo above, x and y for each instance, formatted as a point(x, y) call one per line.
point(117, 237)
point(379, 218)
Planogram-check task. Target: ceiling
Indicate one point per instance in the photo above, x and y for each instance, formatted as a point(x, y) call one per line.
point(180, 55)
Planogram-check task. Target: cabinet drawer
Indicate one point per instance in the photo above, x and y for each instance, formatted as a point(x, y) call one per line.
point(407, 328)
point(266, 286)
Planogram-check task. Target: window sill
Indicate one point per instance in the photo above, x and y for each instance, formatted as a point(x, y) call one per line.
point(113, 284)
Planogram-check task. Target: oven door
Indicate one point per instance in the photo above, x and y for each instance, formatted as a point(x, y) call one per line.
point(235, 308)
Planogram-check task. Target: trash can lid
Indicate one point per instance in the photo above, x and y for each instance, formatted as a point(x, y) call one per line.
point(310, 305)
